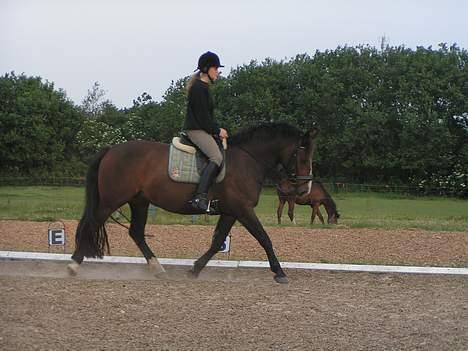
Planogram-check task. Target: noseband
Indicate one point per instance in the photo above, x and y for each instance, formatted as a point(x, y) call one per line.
point(292, 176)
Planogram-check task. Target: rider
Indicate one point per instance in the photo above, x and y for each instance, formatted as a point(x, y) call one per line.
point(201, 126)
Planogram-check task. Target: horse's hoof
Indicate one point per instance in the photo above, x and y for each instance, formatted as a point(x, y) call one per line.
point(72, 268)
point(161, 275)
point(281, 279)
point(192, 274)
point(156, 268)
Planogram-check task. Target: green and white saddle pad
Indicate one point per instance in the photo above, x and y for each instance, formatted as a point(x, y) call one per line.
point(185, 167)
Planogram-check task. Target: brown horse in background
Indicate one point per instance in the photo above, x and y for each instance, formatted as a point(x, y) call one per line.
point(136, 173)
point(315, 197)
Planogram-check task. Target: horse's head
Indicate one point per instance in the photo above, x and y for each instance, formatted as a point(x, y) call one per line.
point(333, 218)
point(281, 145)
point(284, 185)
point(297, 170)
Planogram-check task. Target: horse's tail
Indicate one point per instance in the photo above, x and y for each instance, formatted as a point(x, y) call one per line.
point(91, 236)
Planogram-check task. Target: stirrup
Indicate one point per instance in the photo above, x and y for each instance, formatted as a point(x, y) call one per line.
point(211, 208)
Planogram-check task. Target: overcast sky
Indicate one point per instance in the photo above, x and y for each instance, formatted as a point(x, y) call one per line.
point(142, 45)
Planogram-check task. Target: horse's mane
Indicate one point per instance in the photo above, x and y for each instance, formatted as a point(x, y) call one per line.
point(265, 131)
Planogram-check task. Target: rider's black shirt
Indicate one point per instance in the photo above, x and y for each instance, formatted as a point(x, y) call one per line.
point(200, 109)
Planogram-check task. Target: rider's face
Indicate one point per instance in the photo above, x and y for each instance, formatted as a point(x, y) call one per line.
point(213, 72)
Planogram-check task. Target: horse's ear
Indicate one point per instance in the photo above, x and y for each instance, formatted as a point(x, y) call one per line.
point(313, 133)
point(311, 137)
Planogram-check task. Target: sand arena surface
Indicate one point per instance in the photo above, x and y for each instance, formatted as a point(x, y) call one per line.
point(227, 309)
point(123, 307)
point(298, 244)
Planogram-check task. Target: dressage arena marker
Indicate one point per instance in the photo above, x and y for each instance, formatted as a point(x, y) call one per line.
point(56, 234)
point(17, 255)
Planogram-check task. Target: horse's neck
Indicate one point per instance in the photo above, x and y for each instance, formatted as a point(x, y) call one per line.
point(329, 205)
point(290, 193)
point(267, 152)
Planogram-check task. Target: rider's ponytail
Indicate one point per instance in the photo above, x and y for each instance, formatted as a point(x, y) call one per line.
point(192, 80)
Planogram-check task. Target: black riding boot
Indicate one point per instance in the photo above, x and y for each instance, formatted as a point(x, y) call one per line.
point(209, 173)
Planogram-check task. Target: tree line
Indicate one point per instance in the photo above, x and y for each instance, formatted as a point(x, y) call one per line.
point(389, 115)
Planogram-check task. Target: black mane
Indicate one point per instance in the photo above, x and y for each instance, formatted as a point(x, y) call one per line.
point(265, 131)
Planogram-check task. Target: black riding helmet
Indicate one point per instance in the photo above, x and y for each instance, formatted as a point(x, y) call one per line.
point(207, 60)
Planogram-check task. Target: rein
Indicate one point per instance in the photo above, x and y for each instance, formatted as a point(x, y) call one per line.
point(128, 220)
point(125, 217)
point(292, 177)
point(116, 221)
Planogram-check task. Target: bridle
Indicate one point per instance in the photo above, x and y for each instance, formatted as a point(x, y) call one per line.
point(292, 176)
point(290, 169)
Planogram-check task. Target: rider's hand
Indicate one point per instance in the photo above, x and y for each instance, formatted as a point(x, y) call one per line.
point(223, 134)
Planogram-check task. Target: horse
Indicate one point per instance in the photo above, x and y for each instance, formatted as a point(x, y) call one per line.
point(315, 197)
point(136, 173)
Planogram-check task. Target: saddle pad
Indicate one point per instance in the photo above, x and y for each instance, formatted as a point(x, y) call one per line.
point(185, 167)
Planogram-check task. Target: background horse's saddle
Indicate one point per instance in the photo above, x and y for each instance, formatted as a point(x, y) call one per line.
point(186, 161)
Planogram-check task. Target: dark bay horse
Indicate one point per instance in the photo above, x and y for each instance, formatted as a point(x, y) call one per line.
point(315, 197)
point(136, 173)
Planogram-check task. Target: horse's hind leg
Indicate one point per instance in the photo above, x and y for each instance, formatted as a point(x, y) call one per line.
point(222, 229)
point(139, 209)
point(319, 214)
point(314, 213)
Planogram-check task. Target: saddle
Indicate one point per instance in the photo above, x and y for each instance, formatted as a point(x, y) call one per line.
point(186, 161)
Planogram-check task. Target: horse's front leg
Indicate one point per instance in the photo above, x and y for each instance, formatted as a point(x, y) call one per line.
point(314, 213)
point(291, 210)
point(251, 222)
point(279, 211)
point(222, 229)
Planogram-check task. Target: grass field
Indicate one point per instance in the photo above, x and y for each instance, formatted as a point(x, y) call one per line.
point(358, 210)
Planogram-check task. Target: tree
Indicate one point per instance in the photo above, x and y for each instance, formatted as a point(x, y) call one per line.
point(161, 121)
point(384, 115)
point(388, 114)
point(94, 103)
point(144, 99)
point(38, 125)
point(94, 135)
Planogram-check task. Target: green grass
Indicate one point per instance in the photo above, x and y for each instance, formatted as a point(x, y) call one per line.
point(376, 210)
point(358, 210)
point(41, 203)
point(397, 211)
